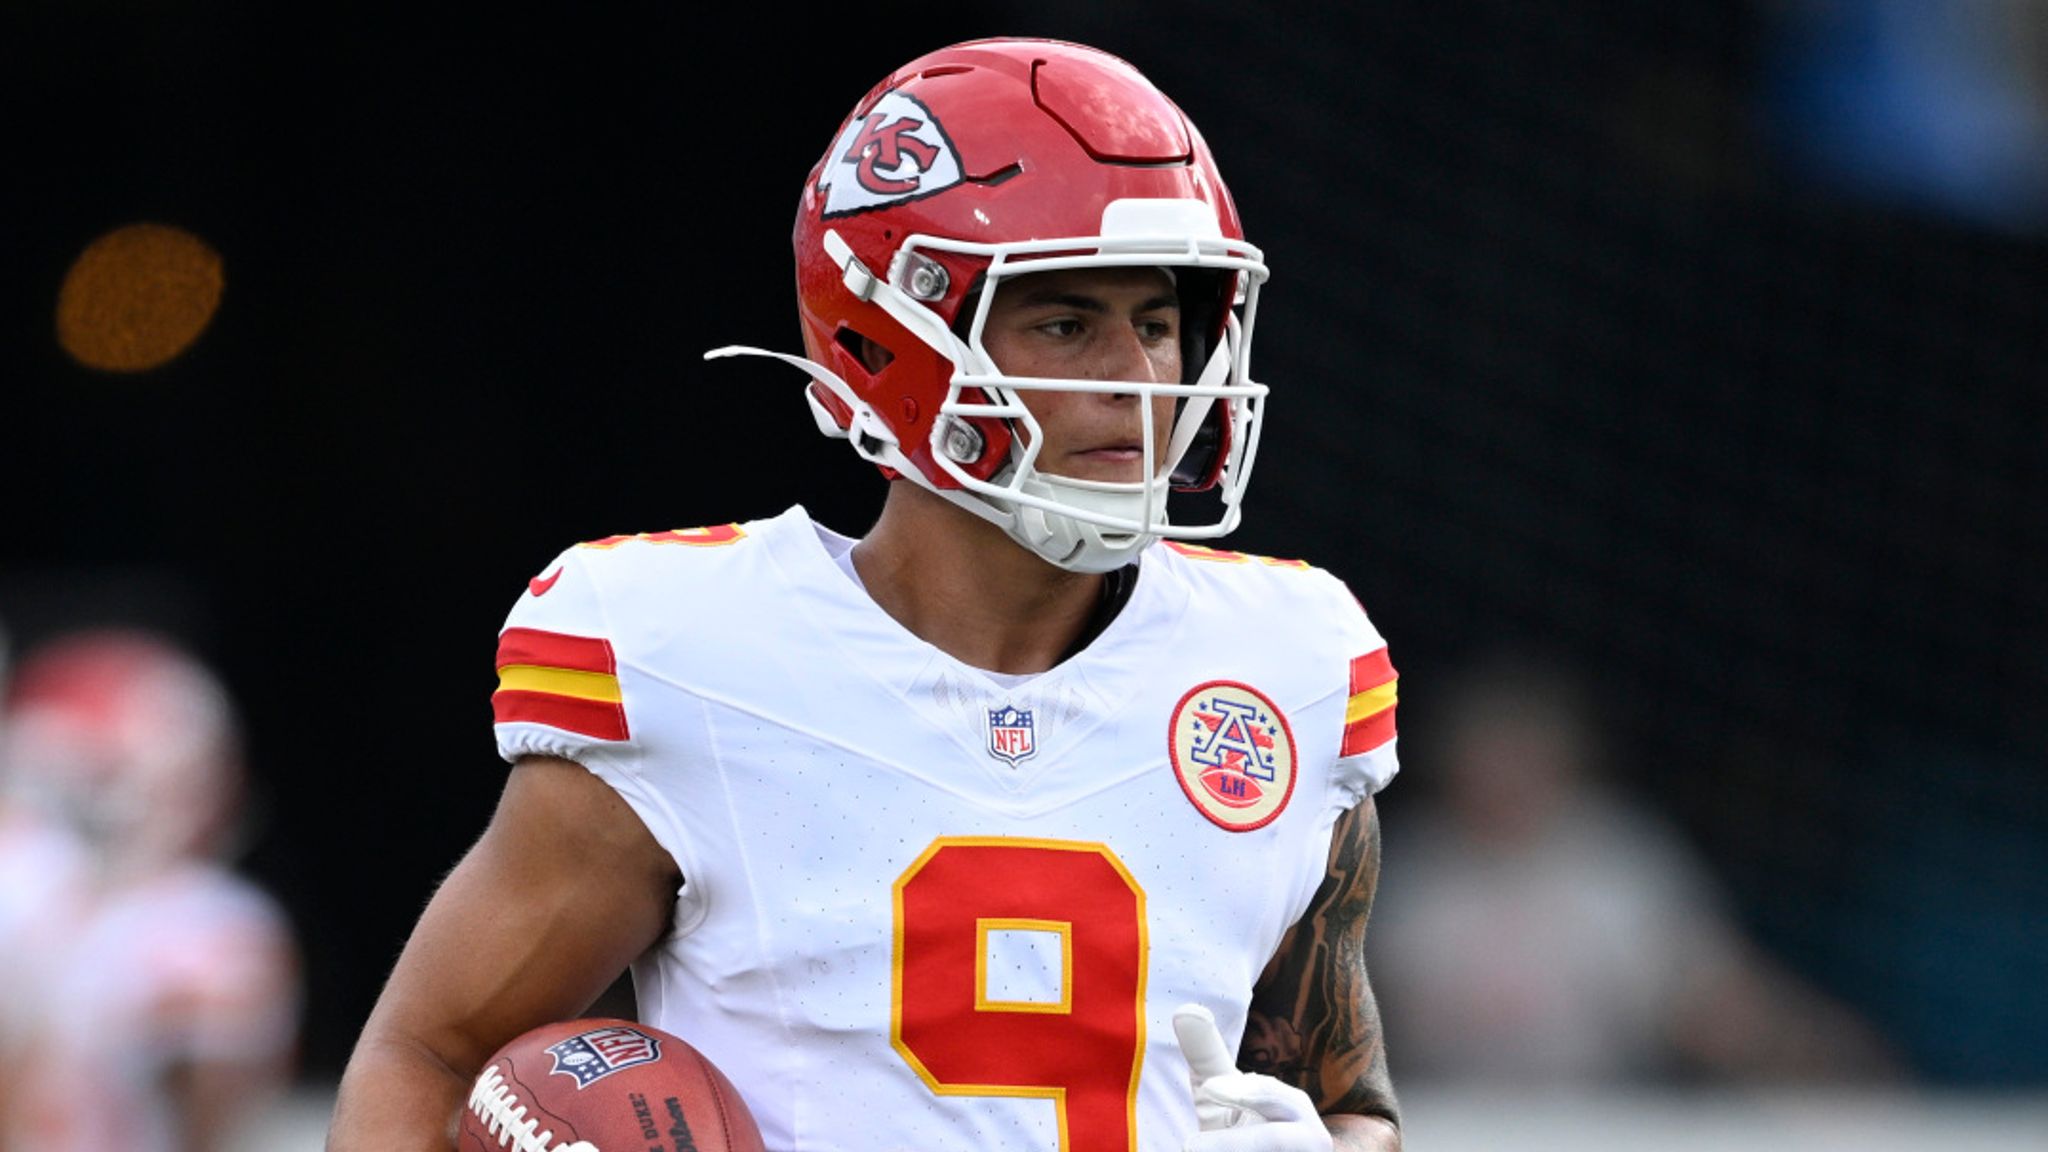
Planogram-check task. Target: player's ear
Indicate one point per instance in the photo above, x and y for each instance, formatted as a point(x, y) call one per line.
point(873, 355)
point(870, 354)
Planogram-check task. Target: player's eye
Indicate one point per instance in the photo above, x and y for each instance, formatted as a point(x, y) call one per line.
point(1164, 327)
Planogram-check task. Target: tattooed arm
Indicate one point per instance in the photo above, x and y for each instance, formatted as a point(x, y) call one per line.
point(1313, 1022)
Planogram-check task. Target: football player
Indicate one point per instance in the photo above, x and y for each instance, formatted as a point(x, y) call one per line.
point(166, 1015)
point(1027, 820)
point(44, 888)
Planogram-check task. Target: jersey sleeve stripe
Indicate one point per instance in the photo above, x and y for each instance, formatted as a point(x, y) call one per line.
point(1371, 670)
point(555, 650)
point(598, 719)
point(1371, 702)
point(559, 682)
point(1369, 714)
point(1368, 734)
point(563, 681)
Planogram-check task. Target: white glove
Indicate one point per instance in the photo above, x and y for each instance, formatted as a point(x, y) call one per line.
point(1241, 1111)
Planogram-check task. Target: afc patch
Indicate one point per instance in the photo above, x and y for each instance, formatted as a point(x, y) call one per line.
point(588, 1057)
point(1012, 735)
point(896, 152)
point(1233, 754)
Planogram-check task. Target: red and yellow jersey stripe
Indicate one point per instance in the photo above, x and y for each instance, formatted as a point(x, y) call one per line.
point(563, 681)
point(1225, 556)
point(1369, 715)
point(707, 537)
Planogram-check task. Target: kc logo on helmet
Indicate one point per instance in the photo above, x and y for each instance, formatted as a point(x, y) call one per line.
point(1234, 754)
point(591, 1056)
point(895, 152)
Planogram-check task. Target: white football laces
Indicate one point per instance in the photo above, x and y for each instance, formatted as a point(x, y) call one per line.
point(504, 1116)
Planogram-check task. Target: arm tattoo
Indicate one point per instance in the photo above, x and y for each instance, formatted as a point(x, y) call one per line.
point(1313, 1020)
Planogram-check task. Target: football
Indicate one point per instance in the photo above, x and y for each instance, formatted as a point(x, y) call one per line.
point(603, 1085)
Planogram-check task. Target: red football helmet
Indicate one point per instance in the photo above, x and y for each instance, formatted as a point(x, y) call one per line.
point(1002, 157)
point(130, 741)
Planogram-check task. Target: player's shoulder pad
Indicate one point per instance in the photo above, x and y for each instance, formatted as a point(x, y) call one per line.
point(666, 555)
point(1288, 588)
point(592, 588)
point(593, 609)
point(709, 536)
point(1312, 613)
point(1296, 605)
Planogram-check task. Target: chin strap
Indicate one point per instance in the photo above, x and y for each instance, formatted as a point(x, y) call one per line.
point(1078, 545)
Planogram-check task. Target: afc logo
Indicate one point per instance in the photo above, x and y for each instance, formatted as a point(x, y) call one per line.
point(1233, 753)
point(1231, 734)
point(896, 151)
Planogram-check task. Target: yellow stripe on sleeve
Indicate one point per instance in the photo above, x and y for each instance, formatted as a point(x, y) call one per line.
point(559, 682)
point(1378, 698)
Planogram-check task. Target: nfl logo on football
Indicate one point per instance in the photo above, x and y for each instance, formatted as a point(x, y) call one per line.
point(1011, 735)
point(591, 1056)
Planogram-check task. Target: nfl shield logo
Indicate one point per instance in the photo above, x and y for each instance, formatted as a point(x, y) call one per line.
point(1011, 735)
point(591, 1056)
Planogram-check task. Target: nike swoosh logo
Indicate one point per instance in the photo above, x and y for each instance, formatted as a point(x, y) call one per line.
point(539, 585)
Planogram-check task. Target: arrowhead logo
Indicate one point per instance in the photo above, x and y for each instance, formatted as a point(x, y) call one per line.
point(897, 151)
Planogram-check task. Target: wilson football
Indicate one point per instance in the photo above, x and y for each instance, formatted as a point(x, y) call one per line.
point(602, 1085)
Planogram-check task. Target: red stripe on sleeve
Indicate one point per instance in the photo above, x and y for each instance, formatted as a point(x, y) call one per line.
point(600, 719)
point(1368, 732)
point(1370, 671)
point(555, 650)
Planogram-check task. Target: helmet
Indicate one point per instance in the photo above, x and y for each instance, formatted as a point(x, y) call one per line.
point(997, 158)
point(128, 739)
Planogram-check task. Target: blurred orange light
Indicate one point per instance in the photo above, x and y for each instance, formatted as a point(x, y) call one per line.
point(137, 297)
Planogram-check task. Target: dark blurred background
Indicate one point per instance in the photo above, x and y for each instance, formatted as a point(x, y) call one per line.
point(1699, 345)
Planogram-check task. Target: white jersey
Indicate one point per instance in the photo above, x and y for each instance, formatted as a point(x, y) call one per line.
point(45, 883)
point(195, 964)
point(925, 906)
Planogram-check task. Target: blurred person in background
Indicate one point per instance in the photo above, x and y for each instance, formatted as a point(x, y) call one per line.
point(167, 1010)
point(43, 881)
point(1544, 930)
